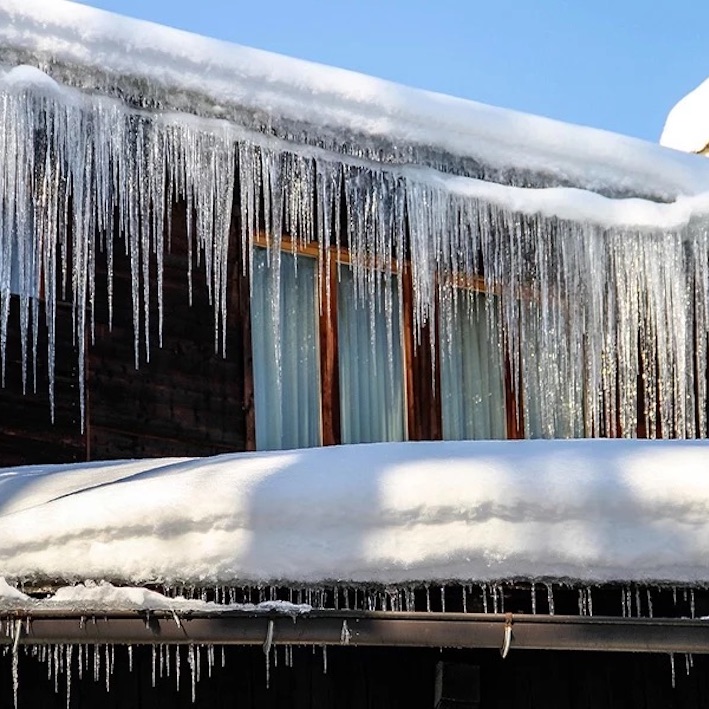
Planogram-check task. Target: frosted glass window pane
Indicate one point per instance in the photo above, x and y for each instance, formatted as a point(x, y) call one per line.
point(287, 407)
point(553, 405)
point(472, 373)
point(23, 272)
point(372, 401)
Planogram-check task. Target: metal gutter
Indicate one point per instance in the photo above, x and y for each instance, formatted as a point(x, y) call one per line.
point(359, 629)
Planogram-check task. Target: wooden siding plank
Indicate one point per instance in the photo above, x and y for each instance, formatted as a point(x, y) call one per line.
point(187, 399)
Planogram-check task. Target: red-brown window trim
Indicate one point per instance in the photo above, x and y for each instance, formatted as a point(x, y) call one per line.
point(422, 376)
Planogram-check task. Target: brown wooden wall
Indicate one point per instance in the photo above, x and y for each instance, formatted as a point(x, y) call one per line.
point(186, 401)
point(372, 678)
point(27, 434)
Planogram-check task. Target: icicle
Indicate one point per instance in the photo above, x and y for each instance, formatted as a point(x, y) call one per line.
point(198, 657)
point(267, 651)
point(672, 668)
point(210, 660)
point(56, 666)
point(109, 667)
point(589, 598)
point(550, 598)
point(166, 652)
point(484, 592)
point(534, 598)
point(17, 630)
point(688, 662)
point(177, 666)
point(691, 605)
point(97, 663)
point(649, 603)
point(68, 657)
point(627, 601)
point(192, 661)
point(410, 600)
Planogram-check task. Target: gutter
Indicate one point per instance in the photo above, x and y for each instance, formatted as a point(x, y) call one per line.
point(508, 632)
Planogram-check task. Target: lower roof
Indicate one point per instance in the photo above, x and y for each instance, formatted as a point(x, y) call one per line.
point(395, 515)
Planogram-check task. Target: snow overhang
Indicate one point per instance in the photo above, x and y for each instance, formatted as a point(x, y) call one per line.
point(687, 124)
point(160, 68)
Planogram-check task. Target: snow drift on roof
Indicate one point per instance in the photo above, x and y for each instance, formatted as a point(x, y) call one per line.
point(102, 597)
point(586, 510)
point(290, 97)
point(687, 125)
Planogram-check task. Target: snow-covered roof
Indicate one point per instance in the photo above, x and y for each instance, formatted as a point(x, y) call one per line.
point(687, 125)
point(159, 66)
point(591, 511)
point(104, 597)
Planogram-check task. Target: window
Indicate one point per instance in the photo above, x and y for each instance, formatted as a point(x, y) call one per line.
point(284, 340)
point(472, 371)
point(351, 368)
point(22, 276)
point(372, 404)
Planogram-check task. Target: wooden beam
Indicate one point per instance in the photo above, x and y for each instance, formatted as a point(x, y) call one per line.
point(423, 385)
point(329, 356)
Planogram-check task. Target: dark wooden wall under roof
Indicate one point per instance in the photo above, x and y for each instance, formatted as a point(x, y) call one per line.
point(187, 400)
point(371, 678)
point(27, 434)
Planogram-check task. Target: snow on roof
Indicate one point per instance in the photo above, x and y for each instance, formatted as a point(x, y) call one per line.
point(101, 45)
point(591, 511)
point(687, 125)
point(91, 597)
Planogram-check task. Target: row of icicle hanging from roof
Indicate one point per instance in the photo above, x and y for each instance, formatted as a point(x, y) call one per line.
point(584, 312)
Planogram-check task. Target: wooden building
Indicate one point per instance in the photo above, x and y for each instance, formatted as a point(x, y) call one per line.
point(394, 260)
point(207, 249)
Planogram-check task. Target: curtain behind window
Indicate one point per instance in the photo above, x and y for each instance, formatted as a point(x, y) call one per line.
point(472, 373)
point(284, 323)
point(372, 403)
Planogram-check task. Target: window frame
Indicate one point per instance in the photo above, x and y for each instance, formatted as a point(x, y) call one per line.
point(421, 386)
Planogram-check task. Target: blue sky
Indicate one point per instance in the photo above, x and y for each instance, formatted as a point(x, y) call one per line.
point(619, 65)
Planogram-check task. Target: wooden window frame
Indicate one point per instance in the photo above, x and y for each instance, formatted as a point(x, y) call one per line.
point(422, 387)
